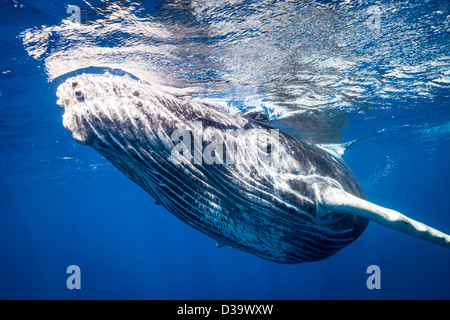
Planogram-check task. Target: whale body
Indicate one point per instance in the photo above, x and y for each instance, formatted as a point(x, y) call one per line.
point(236, 179)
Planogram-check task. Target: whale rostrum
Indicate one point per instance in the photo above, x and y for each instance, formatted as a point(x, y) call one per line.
point(236, 179)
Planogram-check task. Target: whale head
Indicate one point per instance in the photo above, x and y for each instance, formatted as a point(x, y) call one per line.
point(89, 111)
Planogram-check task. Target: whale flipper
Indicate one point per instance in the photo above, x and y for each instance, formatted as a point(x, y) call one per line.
point(338, 149)
point(348, 144)
point(337, 200)
point(220, 244)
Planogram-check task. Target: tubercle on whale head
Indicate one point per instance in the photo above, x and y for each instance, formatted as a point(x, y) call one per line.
point(65, 98)
point(71, 99)
point(103, 109)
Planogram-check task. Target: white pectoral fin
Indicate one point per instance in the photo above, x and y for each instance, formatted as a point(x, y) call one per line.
point(337, 200)
point(338, 149)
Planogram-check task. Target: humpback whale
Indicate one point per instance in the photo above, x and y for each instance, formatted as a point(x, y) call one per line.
point(234, 178)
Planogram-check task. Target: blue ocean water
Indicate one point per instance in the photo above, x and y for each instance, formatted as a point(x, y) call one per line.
point(350, 69)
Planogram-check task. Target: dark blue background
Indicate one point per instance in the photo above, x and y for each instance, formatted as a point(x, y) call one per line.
point(62, 204)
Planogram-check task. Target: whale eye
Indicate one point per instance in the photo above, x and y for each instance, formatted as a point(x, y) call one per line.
point(136, 93)
point(74, 84)
point(79, 95)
